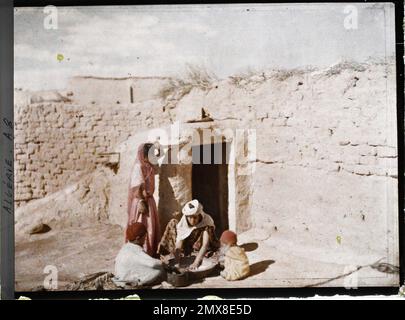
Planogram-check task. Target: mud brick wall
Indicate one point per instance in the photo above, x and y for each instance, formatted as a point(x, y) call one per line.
point(326, 158)
point(57, 143)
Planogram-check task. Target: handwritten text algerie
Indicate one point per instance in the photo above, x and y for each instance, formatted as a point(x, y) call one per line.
point(8, 168)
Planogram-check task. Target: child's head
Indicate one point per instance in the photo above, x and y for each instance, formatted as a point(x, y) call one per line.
point(229, 238)
point(136, 233)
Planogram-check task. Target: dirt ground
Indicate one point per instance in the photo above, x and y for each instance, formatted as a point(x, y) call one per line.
point(92, 249)
point(75, 252)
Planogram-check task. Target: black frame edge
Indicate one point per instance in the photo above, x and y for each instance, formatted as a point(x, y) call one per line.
point(7, 148)
point(7, 233)
point(399, 44)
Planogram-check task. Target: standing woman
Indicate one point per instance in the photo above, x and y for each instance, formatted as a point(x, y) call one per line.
point(141, 204)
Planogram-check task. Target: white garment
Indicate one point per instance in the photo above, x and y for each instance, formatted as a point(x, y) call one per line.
point(184, 229)
point(192, 207)
point(136, 176)
point(133, 265)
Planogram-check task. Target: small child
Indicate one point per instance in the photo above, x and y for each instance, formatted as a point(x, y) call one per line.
point(236, 262)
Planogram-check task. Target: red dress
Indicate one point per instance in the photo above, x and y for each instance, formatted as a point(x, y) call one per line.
point(143, 177)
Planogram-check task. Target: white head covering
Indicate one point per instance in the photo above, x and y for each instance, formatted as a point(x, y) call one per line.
point(192, 207)
point(183, 228)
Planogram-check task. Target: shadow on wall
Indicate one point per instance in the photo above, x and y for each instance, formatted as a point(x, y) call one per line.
point(168, 203)
point(174, 189)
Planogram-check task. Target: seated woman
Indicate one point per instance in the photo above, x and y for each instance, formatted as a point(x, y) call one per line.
point(133, 265)
point(194, 233)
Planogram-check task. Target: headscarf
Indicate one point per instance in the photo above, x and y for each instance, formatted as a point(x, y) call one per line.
point(184, 229)
point(229, 237)
point(135, 231)
point(191, 208)
point(142, 171)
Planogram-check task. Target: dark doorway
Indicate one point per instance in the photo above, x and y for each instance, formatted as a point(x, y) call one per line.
point(210, 181)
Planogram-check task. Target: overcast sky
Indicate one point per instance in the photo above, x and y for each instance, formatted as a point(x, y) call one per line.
point(162, 40)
